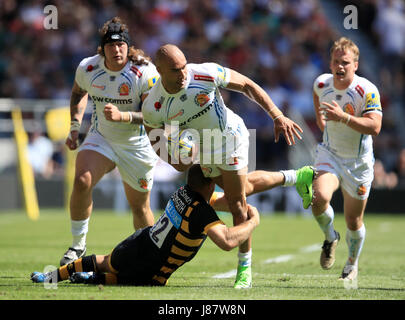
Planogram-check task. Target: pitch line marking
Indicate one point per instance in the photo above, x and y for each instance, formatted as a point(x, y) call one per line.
point(278, 259)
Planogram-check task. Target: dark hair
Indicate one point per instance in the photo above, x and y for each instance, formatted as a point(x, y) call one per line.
point(196, 179)
point(137, 56)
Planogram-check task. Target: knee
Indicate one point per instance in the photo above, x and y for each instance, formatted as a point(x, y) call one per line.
point(354, 223)
point(140, 209)
point(320, 201)
point(83, 182)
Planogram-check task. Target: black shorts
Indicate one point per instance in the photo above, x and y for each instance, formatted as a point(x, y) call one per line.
point(136, 259)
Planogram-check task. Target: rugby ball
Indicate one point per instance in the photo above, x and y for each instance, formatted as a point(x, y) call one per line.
point(180, 144)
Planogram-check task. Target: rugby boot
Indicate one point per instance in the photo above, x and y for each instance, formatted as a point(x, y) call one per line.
point(328, 252)
point(243, 278)
point(305, 177)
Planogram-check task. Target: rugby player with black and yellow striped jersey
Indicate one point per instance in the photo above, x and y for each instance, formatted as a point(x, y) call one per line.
point(152, 254)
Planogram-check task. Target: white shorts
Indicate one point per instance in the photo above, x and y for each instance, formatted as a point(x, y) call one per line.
point(355, 175)
point(135, 162)
point(233, 155)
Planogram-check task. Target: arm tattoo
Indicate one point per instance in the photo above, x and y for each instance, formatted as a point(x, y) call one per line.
point(137, 117)
point(75, 107)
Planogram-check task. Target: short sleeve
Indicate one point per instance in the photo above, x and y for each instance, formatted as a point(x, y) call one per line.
point(216, 72)
point(372, 100)
point(204, 217)
point(80, 75)
point(152, 115)
point(148, 79)
point(319, 84)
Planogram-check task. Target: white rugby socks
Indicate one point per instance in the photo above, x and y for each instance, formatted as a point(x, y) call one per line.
point(245, 258)
point(325, 221)
point(355, 240)
point(79, 231)
point(290, 177)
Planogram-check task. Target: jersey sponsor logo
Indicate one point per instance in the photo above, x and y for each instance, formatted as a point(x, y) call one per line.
point(373, 101)
point(111, 100)
point(323, 164)
point(178, 202)
point(197, 115)
point(221, 72)
point(178, 114)
point(152, 81)
point(201, 98)
point(361, 190)
point(91, 68)
point(203, 77)
point(124, 89)
point(98, 87)
point(348, 108)
point(157, 105)
point(360, 90)
point(174, 216)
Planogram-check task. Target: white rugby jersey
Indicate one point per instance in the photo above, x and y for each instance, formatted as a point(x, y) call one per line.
point(198, 106)
point(122, 88)
point(359, 98)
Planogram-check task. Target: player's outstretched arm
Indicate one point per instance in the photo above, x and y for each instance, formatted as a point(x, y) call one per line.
point(78, 103)
point(228, 238)
point(282, 124)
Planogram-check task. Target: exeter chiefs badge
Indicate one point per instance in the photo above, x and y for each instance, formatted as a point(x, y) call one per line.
point(124, 89)
point(361, 190)
point(348, 108)
point(143, 183)
point(202, 98)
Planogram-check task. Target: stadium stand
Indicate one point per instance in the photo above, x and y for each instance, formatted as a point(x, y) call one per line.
point(282, 45)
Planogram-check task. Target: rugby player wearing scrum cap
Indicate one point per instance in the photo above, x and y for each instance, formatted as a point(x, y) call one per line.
point(117, 79)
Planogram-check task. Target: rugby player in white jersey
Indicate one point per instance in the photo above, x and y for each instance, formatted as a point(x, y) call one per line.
point(117, 79)
point(348, 111)
point(188, 95)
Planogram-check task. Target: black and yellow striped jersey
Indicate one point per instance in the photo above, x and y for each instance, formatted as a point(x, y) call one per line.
point(181, 230)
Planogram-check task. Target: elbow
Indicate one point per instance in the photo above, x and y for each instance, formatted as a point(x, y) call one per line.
point(375, 131)
point(226, 246)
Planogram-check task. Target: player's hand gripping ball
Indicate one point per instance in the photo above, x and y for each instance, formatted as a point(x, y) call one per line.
point(181, 145)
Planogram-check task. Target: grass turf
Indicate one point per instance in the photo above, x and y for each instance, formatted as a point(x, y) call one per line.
point(285, 261)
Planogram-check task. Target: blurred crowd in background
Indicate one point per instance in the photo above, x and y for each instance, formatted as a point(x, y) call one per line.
point(282, 45)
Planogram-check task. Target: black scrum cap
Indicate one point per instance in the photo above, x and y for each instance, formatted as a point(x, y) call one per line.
point(114, 33)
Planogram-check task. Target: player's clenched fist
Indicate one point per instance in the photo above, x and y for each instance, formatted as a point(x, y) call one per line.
point(253, 214)
point(72, 141)
point(112, 113)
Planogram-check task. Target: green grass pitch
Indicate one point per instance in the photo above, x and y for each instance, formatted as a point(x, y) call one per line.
point(285, 261)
